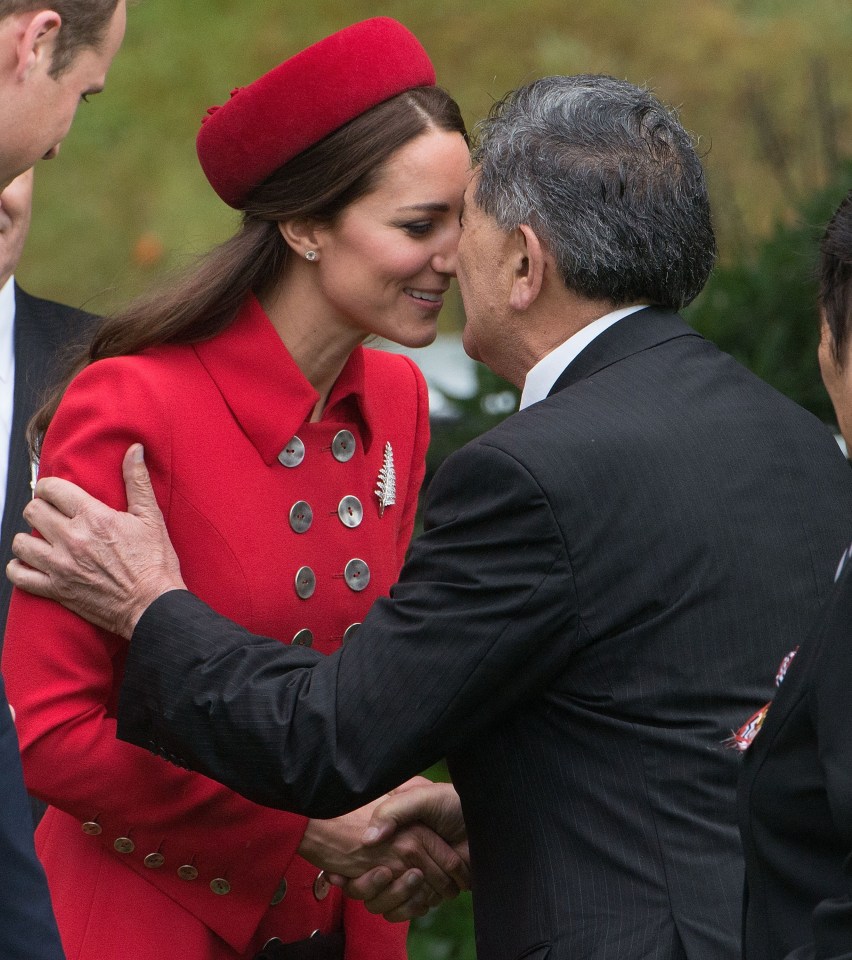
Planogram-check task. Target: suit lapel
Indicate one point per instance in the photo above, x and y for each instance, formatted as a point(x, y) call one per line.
point(42, 330)
point(632, 334)
point(31, 345)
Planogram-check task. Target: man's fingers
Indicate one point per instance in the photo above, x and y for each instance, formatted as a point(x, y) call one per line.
point(443, 869)
point(65, 496)
point(368, 886)
point(436, 805)
point(141, 500)
point(390, 815)
point(33, 581)
point(33, 551)
point(406, 898)
point(46, 519)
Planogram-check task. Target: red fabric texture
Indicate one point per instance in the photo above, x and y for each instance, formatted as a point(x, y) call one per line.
point(306, 98)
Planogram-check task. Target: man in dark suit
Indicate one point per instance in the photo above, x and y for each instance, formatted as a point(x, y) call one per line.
point(37, 333)
point(34, 334)
point(49, 59)
point(605, 583)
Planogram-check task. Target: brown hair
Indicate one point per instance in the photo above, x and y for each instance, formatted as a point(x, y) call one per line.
point(318, 184)
point(84, 24)
point(835, 278)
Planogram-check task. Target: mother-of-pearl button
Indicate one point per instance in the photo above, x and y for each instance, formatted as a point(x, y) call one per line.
point(293, 454)
point(356, 574)
point(350, 511)
point(306, 582)
point(301, 516)
point(343, 446)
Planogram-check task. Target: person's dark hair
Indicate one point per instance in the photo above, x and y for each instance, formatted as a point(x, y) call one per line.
point(611, 182)
point(835, 278)
point(318, 184)
point(84, 24)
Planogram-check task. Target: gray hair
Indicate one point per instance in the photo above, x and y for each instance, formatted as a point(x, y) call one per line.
point(608, 179)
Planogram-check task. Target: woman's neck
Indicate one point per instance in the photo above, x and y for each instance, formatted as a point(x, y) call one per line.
point(319, 346)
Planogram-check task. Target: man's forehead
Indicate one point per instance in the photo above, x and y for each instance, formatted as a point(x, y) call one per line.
point(472, 182)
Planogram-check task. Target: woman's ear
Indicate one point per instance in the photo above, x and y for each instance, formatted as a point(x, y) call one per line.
point(302, 236)
point(528, 275)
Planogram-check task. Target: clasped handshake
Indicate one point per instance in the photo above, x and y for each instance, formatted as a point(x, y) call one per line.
point(402, 854)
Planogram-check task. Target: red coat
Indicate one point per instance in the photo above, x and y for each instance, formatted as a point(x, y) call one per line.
point(139, 853)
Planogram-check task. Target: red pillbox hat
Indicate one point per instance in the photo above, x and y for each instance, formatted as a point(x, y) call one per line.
point(304, 99)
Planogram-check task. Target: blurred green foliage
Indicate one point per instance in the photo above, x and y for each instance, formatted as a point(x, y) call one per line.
point(764, 83)
point(762, 307)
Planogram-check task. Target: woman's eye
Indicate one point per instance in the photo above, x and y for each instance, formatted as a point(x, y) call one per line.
point(418, 229)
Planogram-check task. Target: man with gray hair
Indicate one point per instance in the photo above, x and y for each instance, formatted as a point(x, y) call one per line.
point(605, 583)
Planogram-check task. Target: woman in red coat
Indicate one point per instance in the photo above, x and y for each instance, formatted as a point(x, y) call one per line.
point(286, 458)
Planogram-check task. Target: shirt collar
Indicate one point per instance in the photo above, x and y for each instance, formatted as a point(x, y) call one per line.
point(7, 329)
point(266, 391)
point(540, 379)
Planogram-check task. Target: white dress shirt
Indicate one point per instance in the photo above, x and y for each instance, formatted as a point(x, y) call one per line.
point(7, 381)
point(539, 381)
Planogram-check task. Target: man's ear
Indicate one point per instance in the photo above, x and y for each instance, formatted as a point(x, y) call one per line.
point(301, 235)
point(36, 41)
point(529, 268)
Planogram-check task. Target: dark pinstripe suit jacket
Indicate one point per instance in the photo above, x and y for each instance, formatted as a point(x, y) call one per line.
point(43, 331)
point(605, 587)
point(27, 927)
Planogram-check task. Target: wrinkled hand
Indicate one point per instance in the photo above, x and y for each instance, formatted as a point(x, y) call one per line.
point(404, 871)
point(417, 804)
point(104, 565)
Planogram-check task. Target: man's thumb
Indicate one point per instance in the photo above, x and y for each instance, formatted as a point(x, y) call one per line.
point(137, 482)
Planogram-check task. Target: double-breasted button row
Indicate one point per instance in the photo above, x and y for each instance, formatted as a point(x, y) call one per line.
point(356, 573)
point(321, 890)
point(342, 449)
point(350, 512)
point(305, 637)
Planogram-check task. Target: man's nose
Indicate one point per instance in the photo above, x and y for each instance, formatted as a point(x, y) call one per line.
point(445, 259)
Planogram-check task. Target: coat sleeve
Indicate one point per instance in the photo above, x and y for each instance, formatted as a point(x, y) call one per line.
point(483, 614)
point(63, 676)
point(829, 700)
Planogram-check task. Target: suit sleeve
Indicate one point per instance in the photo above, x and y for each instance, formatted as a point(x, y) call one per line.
point(63, 674)
point(27, 927)
point(482, 616)
point(829, 696)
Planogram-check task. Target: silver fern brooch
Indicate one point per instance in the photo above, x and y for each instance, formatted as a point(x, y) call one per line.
point(386, 484)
